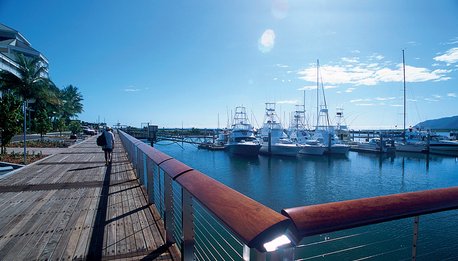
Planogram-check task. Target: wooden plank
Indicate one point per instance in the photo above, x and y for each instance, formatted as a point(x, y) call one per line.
point(88, 226)
point(140, 243)
point(73, 228)
point(61, 221)
point(38, 227)
point(111, 227)
point(58, 220)
point(15, 212)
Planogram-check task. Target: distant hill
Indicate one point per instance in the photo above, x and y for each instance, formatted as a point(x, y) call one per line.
point(440, 124)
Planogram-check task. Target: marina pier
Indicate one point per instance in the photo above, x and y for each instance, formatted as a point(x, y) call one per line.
point(148, 205)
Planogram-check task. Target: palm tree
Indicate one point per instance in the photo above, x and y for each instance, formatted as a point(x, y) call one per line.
point(30, 82)
point(71, 100)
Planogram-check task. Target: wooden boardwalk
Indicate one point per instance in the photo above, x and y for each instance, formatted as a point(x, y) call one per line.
point(72, 206)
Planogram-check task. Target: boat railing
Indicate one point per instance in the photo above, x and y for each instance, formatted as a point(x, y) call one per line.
point(206, 219)
point(210, 221)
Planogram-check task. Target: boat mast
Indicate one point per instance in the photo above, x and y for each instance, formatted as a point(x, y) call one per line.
point(317, 93)
point(404, 70)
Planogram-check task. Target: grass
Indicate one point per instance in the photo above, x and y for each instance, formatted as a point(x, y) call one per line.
point(39, 144)
point(18, 158)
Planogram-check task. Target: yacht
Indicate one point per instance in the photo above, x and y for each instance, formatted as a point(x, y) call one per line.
point(413, 141)
point(242, 140)
point(443, 147)
point(274, 139)
point(324, 132)
point(376, 145)
point(299, 134)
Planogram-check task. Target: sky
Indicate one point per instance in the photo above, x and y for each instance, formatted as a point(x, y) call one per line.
point(190, 63)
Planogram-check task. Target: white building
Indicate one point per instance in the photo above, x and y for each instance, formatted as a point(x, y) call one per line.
point(12, 43)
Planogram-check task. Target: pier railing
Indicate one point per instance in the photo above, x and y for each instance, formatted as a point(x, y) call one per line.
point(210, 221)
point(206, 219)
point(337, 216)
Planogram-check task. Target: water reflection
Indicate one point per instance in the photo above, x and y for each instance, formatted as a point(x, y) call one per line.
point(281, 182)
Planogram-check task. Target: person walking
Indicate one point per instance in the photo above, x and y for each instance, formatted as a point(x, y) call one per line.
point(109, 145)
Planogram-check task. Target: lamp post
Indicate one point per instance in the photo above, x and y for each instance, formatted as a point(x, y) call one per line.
point(25, 127)
point(25, 130)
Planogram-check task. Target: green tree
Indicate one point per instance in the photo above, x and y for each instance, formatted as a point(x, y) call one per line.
point(60, 125)
point(10, 118)
point(31, 83)
point(42, 123)
point(75, 127)
point(71, 100)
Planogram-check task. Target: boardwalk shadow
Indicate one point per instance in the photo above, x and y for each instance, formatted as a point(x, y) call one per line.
point(96, 242)
point(158, 252)
point(86, 168)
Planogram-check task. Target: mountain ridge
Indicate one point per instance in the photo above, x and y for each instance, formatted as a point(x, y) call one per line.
point(445, 123)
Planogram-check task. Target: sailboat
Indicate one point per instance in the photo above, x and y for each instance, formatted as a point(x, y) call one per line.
point(274, 139)
point(411, 141)
point(324, 132)
point(241, 138)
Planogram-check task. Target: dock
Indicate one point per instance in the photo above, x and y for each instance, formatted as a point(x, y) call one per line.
point(71, 206)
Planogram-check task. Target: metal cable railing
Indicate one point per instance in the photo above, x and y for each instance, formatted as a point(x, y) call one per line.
point(204, 218)
point(209, 221)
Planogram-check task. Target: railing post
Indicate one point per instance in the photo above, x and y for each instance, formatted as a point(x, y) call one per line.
point(145, 173)
point(150, 177)
point(416, 221)
point(168, 205)
point(188, 226)
point(253, 254)
point(137, 162)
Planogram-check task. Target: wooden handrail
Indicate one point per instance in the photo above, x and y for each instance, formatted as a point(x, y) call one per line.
point(329, 217)
point(251, 221)
point(254, 223)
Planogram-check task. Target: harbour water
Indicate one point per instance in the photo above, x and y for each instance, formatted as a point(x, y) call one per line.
point(283, 182)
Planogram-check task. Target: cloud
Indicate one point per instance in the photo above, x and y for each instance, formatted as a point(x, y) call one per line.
point(371, 74)
point(452, 41)
point(431, 100)
point(369, 101)
point(307, 88)
point(267, 41)
point(281, 65)
point(360, 100)
point(365, 104)
point(384, 98)
point(376, 56)
point(449, 57)
point(451, 94)
point(350, 59)
point(349, 90)
point(131, 89)
point(287, 102)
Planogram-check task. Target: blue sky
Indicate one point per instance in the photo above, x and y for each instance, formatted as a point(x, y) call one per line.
point(186, 62)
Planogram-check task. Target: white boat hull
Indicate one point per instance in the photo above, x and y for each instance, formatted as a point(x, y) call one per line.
point(338, 149)
point(281, 149)
point(364, 148)
point(411, 147)
point(244, 149)
point(449, 148)
point(312, 150)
